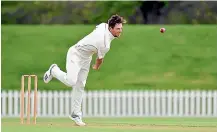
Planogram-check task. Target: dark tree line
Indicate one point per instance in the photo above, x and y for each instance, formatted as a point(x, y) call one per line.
point(92, 12)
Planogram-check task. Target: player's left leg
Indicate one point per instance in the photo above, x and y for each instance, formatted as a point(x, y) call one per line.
point(78, 93)
point(69, 78)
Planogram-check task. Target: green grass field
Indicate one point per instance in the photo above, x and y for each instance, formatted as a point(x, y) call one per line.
point(115, 125)
point(185, 57)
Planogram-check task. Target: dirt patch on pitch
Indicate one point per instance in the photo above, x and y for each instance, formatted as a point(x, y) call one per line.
point(120, 126)
point(153, 127)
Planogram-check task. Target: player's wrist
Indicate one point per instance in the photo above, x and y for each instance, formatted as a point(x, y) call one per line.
point(95, 67)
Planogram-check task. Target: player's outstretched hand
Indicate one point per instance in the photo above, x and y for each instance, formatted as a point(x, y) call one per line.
point(95, 67)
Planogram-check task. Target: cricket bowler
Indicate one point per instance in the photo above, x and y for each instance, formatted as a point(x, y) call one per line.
point(79, 58)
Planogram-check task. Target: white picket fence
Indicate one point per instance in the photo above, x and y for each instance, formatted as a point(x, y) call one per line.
point(118, 103)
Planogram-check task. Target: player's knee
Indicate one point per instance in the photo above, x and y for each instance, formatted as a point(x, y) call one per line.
point(71, 82)
point(69, 85)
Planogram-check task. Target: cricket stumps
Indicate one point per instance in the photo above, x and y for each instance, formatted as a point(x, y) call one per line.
point(22, 99)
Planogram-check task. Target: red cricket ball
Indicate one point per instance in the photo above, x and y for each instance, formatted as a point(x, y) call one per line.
point(162, 30)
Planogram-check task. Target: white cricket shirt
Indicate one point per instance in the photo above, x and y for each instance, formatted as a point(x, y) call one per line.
point(98, 41)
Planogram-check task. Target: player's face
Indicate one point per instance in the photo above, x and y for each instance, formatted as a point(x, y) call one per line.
point(117, 30)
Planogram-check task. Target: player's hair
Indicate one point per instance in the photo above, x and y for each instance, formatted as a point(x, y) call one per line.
point(115, 19)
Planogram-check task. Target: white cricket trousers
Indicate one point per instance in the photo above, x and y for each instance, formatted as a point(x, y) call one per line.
point(77, 69)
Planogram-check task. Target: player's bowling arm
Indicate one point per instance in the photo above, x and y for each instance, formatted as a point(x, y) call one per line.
point(97, 64)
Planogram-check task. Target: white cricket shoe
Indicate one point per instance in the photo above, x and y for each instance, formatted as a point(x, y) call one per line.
point(78, 121)
point(48, 74)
